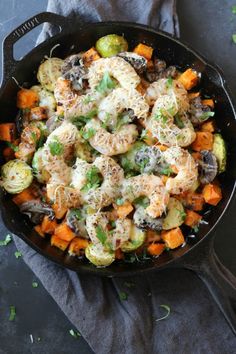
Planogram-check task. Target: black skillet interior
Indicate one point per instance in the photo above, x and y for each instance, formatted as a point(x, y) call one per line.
point(79, 38)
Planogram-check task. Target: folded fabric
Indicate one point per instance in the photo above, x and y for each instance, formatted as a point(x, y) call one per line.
point(124, 315)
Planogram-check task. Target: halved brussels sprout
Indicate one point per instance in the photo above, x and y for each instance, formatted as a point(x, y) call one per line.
point(16, 176)
point(175, 215)
point(39, 172)
point(46, 98)
point(48, 73)
point(98, 256)
point(137, 238)
point(111, 45)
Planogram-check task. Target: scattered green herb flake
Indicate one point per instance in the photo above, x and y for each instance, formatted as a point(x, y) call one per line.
point(143, 164)
point(18, 254)
point(113, 224)
point(74, 334)
point(88, 133)
point(166, 171)
point(101, 234)
point(182, 214)
point(56, 148)
point(160, 116)
point(105, 123)
point(88, 99)
point(142, 201)
point(234, 38)
point(179, 122)
point(144, 135)
point(35, 284)
point(195, 228)
point(12, 146)
point(167, 308)
point(169, 82)
point(106, 84)
point(206, 115)
point(234, 9)
point(167, 248)
point(77, 213)
point(122, 120)
point(7, 240)
point(12, 313)
point(129, 284)
point(93, 179)
point(120, 201)
point(34, 137)
point(123, 296)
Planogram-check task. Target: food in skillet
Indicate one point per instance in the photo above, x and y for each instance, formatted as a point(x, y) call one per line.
point(114, 155)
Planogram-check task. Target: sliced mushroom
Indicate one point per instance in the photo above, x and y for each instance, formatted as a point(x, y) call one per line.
point(144, 221)
point(160, 71)
point(77, 223)
point(208, 167)
point(36, 210)
point(198, 111)
point(73, 69)
point(138, 62)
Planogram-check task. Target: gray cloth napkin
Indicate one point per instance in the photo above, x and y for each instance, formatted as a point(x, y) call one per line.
point(109, 324)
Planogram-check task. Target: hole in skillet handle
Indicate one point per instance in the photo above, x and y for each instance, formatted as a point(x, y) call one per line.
point(8, 61)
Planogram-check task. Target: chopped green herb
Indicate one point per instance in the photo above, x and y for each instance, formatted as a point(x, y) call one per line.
point(12, 313)
point(166, 171)
point(113, 224)
point(182, 214)
point(35, 284)
point(12, 146)
point(74, 334)
point(160, 116)
point(123, 296)
point(93, 179)
point(167, 308)
point(120, 201)
point(143, 135)
point(123, 119)
point(101, 234)
point(129, 284)
point(167, 248)
point(142, 201)
point(179, 122)
point(104, 124)
point(88, 99)
point(88, 133)
point(7, 240)
point(234, 38)
point(34, 137)
point(80, 121)
point(169, 82)
point(77, 213)
point(234, 9)
point(206, 115)
point(56, 148)
point(143, 163)
point(18, 254)
point(195, 228)
point(106, 84)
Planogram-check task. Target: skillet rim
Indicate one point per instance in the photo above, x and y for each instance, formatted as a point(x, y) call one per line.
point(222, 83)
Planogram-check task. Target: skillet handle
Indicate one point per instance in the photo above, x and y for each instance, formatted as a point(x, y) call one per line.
point(8, 62)
point(219, 280)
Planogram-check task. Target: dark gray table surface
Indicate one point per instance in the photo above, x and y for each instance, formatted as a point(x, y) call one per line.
point(208, 27)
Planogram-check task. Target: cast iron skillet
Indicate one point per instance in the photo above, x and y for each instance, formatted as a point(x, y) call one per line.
point(198, 255)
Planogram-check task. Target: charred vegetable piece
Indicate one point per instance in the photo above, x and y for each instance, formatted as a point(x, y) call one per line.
point(36, 210)
point(27, 99)
point(144, 221)
point(46, 99)
point(208, 167)
point(175, 214)
point(98, 256)
point(111, 45)
point(138, 62)
point(48, 73)
point(219, 150)
point(73, 69)
point(16, 176)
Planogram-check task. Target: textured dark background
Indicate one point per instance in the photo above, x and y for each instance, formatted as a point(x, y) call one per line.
point(205, 25)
